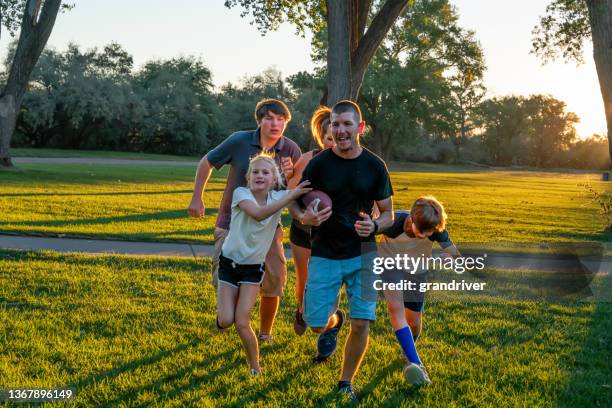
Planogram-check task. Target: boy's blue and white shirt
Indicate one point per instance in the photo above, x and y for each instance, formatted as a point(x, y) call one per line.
point(394, 240)
point(397, 229)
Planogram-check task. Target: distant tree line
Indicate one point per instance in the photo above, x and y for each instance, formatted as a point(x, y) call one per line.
point(422, 96)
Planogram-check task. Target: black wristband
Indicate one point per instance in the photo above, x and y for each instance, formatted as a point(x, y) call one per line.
point(375, 227)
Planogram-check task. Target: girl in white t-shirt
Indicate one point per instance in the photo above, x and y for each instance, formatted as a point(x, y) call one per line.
point(256, 212)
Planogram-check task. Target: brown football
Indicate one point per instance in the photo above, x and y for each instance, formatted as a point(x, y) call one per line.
point(324, 202)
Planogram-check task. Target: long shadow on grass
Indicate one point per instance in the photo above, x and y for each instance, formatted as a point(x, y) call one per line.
point(230, 358)
point(281, 384)
point(393, 396)
point(161, 215)
point(110, 261)
point(599, 236)
point(589, 382)
point(131, 366)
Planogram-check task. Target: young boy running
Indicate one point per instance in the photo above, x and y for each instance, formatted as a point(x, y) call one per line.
point(413, 233)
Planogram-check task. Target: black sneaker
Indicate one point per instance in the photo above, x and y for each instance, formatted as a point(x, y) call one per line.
point(328, 340)
point(299, 325)
point(347, 393)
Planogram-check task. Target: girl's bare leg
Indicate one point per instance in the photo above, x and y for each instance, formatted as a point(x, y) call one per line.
point(242, 319)
point(227, 296)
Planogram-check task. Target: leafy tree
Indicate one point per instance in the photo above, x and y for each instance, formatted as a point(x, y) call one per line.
point(91, 99)
point(534, 130)
point(352, 41)
point(181, 115)
point(590, 153)
point(564, 29)
point(551, 130)
point(37, 21)
point(237, 101)
point(426, 79)
point(306, 89)
point(79, 100)
point(505, 126)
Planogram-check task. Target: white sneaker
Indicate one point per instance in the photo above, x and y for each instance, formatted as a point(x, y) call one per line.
point(416, 375)
point(265, 338)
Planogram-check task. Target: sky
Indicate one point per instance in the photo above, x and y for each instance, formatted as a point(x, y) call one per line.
point(232, 48)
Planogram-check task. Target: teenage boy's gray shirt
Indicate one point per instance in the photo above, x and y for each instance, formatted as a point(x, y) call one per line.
point(237, 150)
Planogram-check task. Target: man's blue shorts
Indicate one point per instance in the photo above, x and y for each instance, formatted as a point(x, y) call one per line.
point(325, 279)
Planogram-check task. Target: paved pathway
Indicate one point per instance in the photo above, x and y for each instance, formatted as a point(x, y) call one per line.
point(102, 246)
point(502, 260)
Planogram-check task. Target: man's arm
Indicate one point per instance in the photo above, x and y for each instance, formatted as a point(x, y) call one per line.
point(309, 216)
point(366, 226)
point(196, 207)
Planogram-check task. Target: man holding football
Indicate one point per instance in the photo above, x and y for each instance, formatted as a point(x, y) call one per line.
point(358, 181)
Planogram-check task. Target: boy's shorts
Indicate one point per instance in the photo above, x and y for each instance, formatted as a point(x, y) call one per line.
point(413, 299)
point(415, 306)
point(275, 277)
point(235, 274)
point(322, 292)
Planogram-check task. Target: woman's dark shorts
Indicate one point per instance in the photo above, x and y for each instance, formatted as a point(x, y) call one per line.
point(299, 234)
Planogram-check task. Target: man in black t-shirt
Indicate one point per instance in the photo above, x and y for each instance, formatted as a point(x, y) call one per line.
point(355, 179)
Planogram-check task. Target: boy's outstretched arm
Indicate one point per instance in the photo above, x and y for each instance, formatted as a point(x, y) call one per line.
point(196, 206)
point(385, 219)
point(448, 247)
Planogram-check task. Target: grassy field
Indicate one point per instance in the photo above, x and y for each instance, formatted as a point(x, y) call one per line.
point(127, 331)
point(139, 202)
point(139, 332)
point(97, 154)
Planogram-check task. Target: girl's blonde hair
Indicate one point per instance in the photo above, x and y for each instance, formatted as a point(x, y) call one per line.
point(319, 122)
point(268, 158)
point(428, 214)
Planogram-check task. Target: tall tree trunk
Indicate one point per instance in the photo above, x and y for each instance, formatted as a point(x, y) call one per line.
point(33, 37)
point(8, 119)
point(600, 17)
point(351, 47)
point(338, 52)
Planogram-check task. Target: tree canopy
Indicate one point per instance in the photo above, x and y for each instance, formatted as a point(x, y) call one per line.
point(564, 30)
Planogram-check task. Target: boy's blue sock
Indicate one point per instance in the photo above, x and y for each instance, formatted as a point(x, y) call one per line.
point(404, 336)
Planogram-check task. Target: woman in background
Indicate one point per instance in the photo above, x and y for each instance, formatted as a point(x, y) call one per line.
point(299, 234)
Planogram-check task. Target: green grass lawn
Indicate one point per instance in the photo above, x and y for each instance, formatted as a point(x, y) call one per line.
point(139, 202)
point(127, 331)
point(97, 154)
